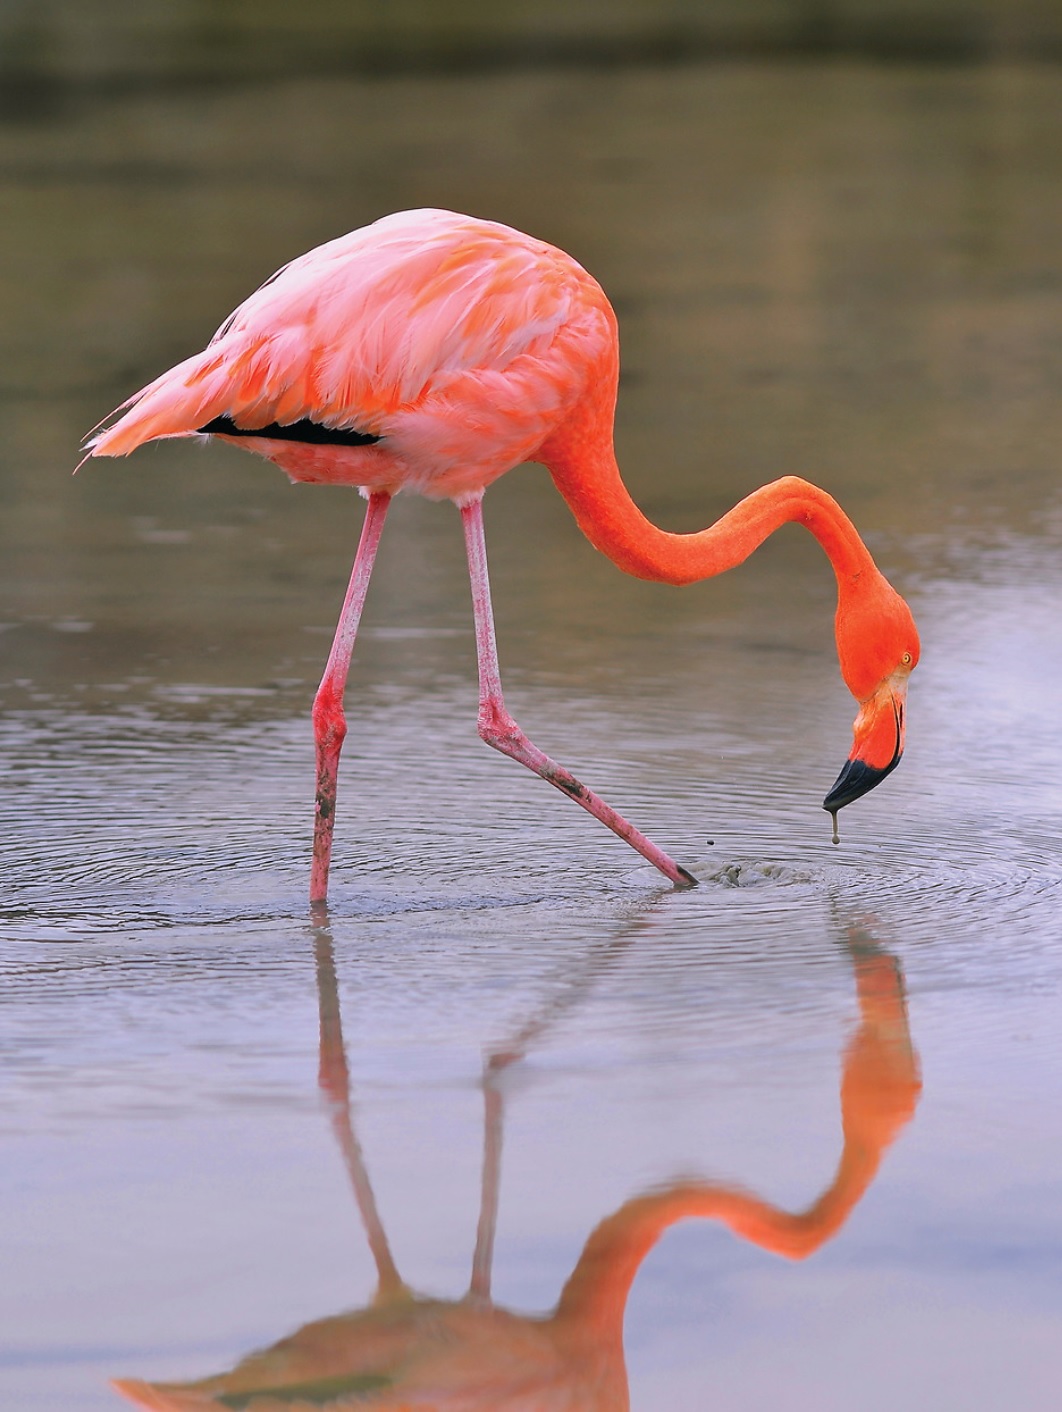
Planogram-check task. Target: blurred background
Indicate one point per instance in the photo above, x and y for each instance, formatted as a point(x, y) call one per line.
point(830, 229)
point(50, 43)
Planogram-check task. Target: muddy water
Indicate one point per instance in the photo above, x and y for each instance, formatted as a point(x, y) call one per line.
point(849, 273)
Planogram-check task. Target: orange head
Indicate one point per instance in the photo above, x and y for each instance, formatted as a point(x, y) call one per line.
point(877, 645)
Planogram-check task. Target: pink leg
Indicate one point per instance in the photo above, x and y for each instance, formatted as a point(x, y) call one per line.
point(499, 729)
point(329, 723)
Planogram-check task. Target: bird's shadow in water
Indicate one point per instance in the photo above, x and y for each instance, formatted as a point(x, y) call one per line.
point(404, 1349)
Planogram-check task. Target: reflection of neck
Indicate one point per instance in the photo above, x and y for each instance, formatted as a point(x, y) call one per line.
point(582, 462)
point(879, 1090)
point(596, 1293)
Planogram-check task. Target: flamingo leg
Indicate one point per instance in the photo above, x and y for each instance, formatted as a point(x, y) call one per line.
point(329, 722)
point(499, 729)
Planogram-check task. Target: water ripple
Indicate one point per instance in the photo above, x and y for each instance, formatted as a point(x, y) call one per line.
point(138, 822)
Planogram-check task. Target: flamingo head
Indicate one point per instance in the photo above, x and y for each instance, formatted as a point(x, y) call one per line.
point(878, 648)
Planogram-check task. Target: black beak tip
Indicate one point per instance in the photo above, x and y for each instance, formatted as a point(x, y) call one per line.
point(856, 779)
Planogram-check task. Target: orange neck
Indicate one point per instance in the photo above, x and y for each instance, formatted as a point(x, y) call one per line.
point(582, 462)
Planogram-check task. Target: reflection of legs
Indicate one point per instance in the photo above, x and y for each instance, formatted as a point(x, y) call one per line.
point(499, 1061)
point(329, 723)
point(499, 729)
point(483, 1256)
point(334, 1079)
point(576, 983)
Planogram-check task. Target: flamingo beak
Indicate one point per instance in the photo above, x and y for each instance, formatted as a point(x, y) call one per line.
point(877, 745)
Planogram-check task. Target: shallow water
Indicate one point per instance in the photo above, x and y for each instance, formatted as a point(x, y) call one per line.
point(846, 272)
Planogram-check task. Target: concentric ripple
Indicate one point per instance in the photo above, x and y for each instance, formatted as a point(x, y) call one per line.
point(142, 821)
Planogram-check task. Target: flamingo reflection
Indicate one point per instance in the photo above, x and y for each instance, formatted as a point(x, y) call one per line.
point(406, 1352)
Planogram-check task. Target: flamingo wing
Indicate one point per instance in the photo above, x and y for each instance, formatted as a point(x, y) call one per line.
point(339, 342)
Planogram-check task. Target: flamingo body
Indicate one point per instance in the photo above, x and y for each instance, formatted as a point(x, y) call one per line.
point(431, 353)
point(455, 345)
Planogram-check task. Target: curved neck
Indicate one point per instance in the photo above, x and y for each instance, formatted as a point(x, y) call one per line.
point(582, 462)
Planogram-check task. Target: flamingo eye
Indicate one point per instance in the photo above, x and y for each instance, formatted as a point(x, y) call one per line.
point(906, 659)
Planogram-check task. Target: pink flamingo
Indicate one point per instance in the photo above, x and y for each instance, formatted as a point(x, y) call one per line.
point(432, 352)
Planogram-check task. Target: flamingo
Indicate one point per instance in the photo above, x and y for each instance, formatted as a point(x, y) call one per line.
point(431, 352)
